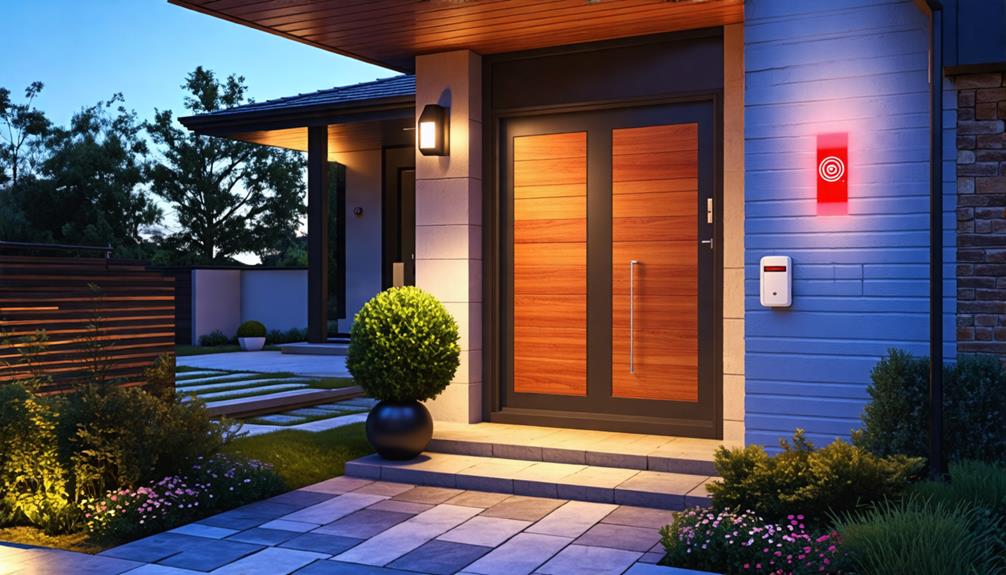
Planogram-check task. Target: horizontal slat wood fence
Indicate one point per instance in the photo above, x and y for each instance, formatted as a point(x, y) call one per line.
point(92, 309)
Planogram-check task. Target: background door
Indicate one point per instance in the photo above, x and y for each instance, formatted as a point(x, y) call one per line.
point(609, 305)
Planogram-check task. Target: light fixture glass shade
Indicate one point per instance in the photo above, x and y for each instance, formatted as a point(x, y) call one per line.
point(432, 131)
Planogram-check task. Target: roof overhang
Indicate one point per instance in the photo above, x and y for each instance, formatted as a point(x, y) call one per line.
point(229, 122)
point(392, 33)
point(352, 126)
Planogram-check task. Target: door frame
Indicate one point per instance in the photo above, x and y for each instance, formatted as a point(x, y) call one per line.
point(391, 181)
point(497, 313)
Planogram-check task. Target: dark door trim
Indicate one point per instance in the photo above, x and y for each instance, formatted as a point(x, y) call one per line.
point(391, 229)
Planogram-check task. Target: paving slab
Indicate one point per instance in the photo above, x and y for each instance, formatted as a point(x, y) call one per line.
point(216, 377)
point(639, 539)
point(243, 383)
point(263, 536)
point(440, 557)
point(585, 559)
point(572, 519)
point(520, 555)
point(322, 543)
point(279, 418)
point(364, 523)
point(210, 555)
point(328, 511)
point(240, 400)
point(404, 537)
point(426, 494)
point(331, 567)
point(207, 531)
point(331, 423)
point(271, 561)
point(155, 547)
point(337, 485)
point(524, 508)
point(254, 391)
point(485, 531)
point(640, 517)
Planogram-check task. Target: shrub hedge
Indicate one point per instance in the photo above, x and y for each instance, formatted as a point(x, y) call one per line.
point(251, 328)
point(896, 419)
point(807, 481)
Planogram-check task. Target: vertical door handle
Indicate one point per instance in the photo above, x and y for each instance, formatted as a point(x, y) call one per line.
point(632, 314)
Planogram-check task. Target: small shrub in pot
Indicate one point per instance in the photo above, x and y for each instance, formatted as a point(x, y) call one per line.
point(403, 349)
point(251, 335)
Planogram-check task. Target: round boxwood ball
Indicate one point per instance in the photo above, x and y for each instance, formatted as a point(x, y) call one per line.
point(251, 329)
point(403, 346)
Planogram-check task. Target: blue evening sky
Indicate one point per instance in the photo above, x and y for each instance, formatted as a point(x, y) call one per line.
point(86, 50)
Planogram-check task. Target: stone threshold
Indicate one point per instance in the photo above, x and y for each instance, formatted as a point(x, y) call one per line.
point(578, 446)
point(579, 482)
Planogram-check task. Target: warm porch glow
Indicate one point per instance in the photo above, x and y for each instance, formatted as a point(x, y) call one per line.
point(432, 132)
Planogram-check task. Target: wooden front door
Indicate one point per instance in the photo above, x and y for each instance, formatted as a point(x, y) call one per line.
point(610, 297)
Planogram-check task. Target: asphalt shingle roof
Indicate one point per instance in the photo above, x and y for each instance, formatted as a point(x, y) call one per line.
point(403, 85)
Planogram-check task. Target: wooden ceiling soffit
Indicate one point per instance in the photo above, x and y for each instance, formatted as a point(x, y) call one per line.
point(392, 33)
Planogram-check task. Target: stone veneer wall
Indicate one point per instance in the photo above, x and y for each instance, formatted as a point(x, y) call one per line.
point(981, 213)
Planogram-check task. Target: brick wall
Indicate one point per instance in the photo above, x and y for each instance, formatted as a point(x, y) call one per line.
point(981, 213)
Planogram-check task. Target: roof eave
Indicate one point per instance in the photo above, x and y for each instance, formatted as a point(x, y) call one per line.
point(390, 108)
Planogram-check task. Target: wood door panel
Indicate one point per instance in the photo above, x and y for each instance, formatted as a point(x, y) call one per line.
point(654, 229)
point(564, 208)
point(655, 212)
point(654, 186)
point(656, 139)
point(551, 147)
point(549, 172)
point(550, 231)
point(550, 264)
point(548, 191)
point(658, 166)
point(655, 204)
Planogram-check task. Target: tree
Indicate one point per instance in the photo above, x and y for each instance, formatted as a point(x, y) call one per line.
point(229, 197)
point(22, 127)
point(86, 182)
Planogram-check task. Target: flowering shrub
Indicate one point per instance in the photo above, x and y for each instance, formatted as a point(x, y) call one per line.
point(744, 543)
point(211, 485)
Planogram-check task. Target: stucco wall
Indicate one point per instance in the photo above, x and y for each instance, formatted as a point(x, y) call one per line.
point(277, 298)
point(216, 302)
point(861, 280)
point(363, 232)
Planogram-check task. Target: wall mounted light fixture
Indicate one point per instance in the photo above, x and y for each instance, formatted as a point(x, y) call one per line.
point(433, 133)
point(833, 174)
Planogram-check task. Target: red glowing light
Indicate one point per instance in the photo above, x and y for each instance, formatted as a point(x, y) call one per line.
point(833, 174)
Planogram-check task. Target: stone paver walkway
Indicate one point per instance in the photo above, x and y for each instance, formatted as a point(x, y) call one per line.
point(221, 388)
point(351, 526)
point(270, 362)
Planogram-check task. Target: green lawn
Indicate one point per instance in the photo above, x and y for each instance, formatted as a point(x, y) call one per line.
point(302, 458)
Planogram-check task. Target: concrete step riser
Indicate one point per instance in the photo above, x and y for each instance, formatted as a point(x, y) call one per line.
point(558, 489)
point(579, 457)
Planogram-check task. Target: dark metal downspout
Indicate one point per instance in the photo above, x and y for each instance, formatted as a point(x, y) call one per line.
point(937, 460)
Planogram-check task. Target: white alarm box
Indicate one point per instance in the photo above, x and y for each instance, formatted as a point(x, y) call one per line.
point(776, 274)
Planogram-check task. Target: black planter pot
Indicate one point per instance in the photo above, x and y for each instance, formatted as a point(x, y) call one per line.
point(399, 430)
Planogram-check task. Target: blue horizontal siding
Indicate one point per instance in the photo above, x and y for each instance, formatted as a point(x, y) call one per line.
point(861, 281)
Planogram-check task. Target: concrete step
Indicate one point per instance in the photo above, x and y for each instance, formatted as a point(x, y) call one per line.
point(243, 383)
point(622, 486)
point(219, 376)
point(315, 348)
point(682, 455)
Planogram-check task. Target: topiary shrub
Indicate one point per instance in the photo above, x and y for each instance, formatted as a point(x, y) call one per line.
point(974, 406)
point(807, 481)
point(403, 346)
point(251, 328)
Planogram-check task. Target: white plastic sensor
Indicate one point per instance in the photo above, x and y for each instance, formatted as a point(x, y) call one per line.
point(776, 274)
